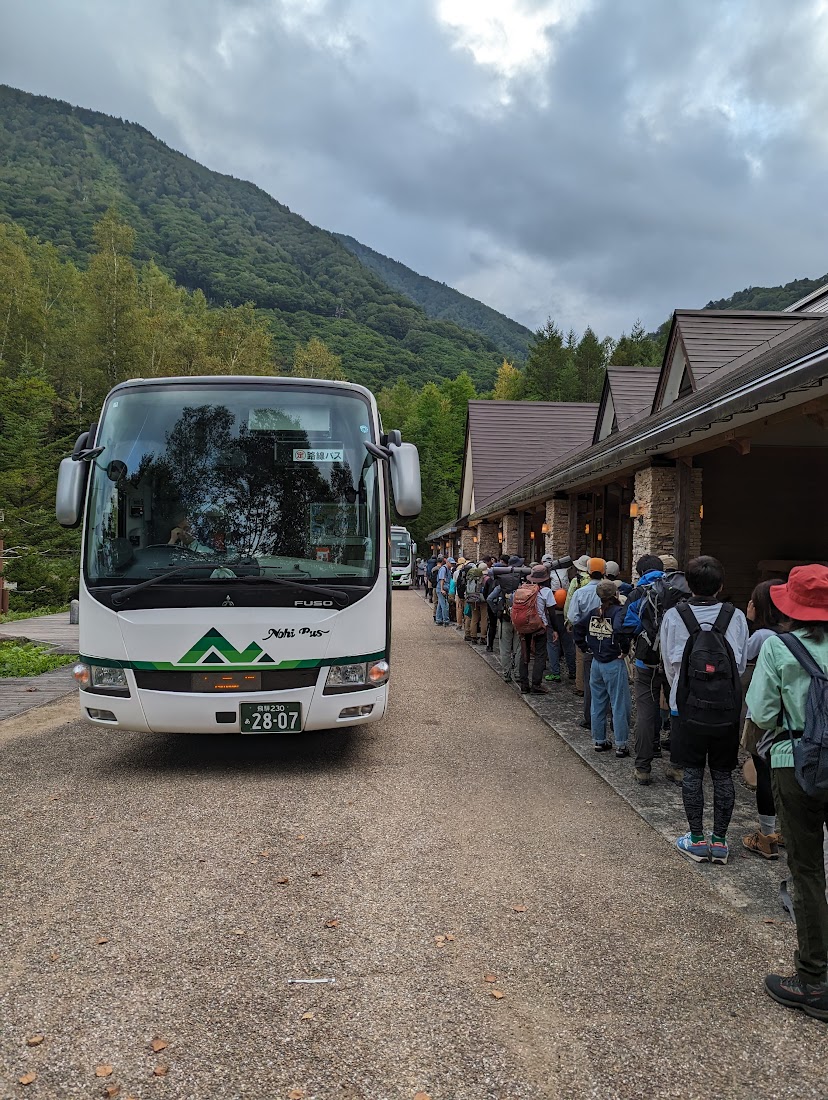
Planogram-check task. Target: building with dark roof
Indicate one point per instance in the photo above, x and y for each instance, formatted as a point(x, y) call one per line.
point(731, 458)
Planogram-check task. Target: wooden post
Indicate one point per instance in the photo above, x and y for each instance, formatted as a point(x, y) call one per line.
point(681, 540)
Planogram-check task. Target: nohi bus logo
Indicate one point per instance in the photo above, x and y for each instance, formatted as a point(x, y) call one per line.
point(214, 649)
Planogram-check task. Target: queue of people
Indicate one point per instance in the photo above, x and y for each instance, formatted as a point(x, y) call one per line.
point(662, 666)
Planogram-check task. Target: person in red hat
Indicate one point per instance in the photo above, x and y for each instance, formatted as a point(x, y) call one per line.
point(780, 687)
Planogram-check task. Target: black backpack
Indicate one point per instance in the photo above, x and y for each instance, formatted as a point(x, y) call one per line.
point(664, 593)
point(498, 602)
point(810, 753)
point(709, 692)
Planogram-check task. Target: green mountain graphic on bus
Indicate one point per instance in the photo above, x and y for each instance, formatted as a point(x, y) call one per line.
point(214, 649)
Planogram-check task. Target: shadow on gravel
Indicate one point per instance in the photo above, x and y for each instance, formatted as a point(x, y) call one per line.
point(319, 751)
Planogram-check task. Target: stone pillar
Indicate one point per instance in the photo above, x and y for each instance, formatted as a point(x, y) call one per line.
point(488, 544)
point(511, 535)
point(694, 520)
point(468, 547)
point(655, 494)
point(557, 520)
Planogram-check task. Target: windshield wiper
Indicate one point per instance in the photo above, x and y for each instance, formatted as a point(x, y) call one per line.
point(125, 593)
point(337, 594)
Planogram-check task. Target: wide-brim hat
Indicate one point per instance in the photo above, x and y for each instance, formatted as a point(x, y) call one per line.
point(582, 563)
point(516, 560)
point(539, 575)
point(805, 596)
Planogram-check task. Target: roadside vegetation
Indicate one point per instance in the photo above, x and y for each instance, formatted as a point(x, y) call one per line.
point(28, 659)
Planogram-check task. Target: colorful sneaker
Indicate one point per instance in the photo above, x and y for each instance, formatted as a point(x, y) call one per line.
point(602, 746)
point(695, 850)
point(552, 678)
point(763, 844)
point(794, 993)
point(719, 851)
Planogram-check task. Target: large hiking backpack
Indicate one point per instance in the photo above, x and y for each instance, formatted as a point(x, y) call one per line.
point(474, 579)
point(810, 752)
point(526, 618)
point(664, 592)
point(709, 692)
point(498, 602)
point(435, 569)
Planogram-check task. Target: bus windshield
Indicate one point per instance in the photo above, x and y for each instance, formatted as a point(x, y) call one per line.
point(275, 477)
point(400, 548)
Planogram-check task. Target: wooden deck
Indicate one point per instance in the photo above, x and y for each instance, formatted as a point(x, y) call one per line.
point(21, 693)
point(51, 630)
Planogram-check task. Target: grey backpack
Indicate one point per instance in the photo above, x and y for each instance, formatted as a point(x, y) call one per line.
point(810, 752)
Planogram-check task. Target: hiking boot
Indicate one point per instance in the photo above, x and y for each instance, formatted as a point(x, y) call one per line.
point(644, 779)
point(490, 649)
point(524, 689)
point(764, 844)
point(602, 746)
point(552, 678)
point(794, 993)
point(539, 689)
point(697, 850)
point(621, 750)
point(674, 775)
point(579, 693)
point(585, 725)
point(719, 851)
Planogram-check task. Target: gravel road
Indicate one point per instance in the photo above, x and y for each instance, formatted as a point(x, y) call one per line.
point(161, 888)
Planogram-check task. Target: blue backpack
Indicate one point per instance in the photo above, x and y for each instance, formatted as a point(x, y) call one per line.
point(810, 752)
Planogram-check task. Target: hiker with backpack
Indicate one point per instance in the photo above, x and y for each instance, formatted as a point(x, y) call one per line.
point(442, 585)
point(765, 621)
point(475, 615)
point(581, 578)
point(600, 632)
point(486, 591)
point(704, 651)
point(788, 696)
point(583, 601)
point(508, 577)
point(653, 596)
point(558, 639)
point(530, 621)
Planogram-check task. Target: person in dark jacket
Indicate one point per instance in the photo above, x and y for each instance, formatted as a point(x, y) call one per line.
point(509, 577)
point(649, 676)
point(599, 633)
point(429, 585)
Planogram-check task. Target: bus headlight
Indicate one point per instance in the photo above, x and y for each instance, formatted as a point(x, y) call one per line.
point(109, 679)
point(378, 672)
point(346, 676)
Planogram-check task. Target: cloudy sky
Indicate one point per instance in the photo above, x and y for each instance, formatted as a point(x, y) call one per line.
point(596, 160)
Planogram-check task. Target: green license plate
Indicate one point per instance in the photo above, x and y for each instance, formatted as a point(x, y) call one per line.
point(270, 717)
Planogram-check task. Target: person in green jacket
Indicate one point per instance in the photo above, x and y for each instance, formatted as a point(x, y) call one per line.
point(776, 699)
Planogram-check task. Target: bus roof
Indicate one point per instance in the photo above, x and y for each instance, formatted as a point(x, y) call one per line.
point(243, 379)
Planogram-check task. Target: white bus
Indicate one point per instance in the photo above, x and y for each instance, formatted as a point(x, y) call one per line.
point(403, 558)
point(234, 574)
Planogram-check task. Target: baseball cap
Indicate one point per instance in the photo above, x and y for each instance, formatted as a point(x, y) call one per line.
point(515, 560)
point(612, 569)
point(452, 561)
point(596, 565)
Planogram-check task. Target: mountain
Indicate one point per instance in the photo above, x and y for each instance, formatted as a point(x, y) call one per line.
point(443, 302)
point(769, 297)
point(62, 167)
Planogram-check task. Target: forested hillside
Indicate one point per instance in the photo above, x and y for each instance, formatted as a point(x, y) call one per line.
point(62, 167)
point(769, 297)
point(443, 302)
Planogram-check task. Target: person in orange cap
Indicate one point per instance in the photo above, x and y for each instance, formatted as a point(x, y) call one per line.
point(789, 680)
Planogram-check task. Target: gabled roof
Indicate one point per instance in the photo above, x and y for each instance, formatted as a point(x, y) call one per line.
point(815, 302)
point(704, 341)
point(505, 440)
point(627, 396)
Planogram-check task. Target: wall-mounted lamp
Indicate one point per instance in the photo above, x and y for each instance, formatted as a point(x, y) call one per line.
point(600, 537)
point(474, 538)
point(500, 537)
point(637, 511)
point(532, 535)
point(544, 528)
point(701, 511)
point(586, 528)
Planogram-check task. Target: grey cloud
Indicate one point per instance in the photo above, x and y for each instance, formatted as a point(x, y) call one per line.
point(668, 153)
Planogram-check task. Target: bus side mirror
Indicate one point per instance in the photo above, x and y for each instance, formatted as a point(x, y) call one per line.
point(71, 487)
point(405, 479)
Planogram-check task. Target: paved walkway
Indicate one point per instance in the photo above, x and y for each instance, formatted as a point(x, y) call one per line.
point(173, 888)
point(51, 630)
point(21, 693)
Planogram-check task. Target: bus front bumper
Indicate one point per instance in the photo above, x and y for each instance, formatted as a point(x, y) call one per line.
point(178, 712)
